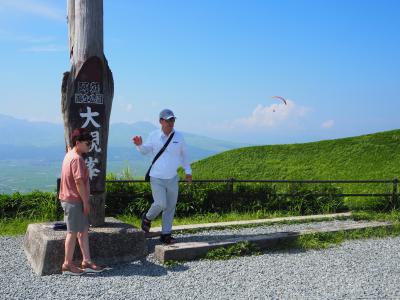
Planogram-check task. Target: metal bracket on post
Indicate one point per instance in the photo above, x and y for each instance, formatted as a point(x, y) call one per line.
point(58, 186)
point(395, 195)
point(232, 181)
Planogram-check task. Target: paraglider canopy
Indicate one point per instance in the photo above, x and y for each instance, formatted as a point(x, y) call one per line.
point(280, 98)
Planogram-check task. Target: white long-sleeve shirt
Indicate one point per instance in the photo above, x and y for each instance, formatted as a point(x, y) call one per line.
point(175, 154)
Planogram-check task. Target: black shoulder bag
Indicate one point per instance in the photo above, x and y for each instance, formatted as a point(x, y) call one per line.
point(147, 176)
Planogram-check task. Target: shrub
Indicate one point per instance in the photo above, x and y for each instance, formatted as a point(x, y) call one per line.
point(132, 198)
point(34, 205)
point(379, 204)
point(200, 198)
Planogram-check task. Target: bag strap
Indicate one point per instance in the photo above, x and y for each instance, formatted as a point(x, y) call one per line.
point(162, 149)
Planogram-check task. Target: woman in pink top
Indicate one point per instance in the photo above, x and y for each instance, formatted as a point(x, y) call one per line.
point(74, 196)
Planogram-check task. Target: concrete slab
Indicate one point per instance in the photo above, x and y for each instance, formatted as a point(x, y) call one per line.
point(193, 250)
point(115, 242)
point(156, 231)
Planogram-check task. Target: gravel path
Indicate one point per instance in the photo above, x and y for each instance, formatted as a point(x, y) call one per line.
point(365, 269)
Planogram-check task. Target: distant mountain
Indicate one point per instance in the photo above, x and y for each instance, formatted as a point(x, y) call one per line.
point(23, 133)
point(121, 136)
point(17, 132)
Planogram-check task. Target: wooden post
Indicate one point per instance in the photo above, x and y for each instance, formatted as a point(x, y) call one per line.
point(87, 92)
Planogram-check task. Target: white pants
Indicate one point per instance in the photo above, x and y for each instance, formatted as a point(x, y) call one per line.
point(165, 195)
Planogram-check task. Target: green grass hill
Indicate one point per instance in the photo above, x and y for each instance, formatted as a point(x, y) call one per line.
point(372, 156)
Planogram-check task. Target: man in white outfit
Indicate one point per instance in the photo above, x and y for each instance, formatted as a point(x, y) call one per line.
point(163, 174)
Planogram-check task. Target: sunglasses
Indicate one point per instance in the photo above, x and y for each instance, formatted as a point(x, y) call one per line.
point(170, 120)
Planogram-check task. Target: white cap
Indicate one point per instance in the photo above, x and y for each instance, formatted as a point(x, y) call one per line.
point(166, 114)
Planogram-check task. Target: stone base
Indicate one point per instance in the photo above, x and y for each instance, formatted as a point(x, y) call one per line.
point(114, 242)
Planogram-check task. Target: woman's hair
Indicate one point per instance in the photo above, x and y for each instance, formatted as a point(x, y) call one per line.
point(80, 134)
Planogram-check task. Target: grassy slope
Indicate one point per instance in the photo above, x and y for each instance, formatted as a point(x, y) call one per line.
point(373, 156)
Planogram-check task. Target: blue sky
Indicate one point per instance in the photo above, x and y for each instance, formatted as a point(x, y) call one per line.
point(217, 63)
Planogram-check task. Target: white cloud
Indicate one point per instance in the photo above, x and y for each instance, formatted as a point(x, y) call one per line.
point(33, 7)
point(45, 48)
point(269, 117)
point(34, 39)
point(129, 107)
point(328, 124)
point(122, 105)
point(27, 39)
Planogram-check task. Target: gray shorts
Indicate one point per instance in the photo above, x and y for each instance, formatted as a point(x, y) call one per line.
point(74, 217)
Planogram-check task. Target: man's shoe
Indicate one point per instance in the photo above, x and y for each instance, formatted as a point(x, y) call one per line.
point(167, 239)
point(71, 270)
point(90, 267)
point(146, 223)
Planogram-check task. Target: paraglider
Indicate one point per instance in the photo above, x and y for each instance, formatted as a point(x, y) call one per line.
point(281, 98)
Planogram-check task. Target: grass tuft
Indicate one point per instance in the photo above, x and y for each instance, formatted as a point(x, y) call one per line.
point(16, 226)
point(240, 249)
point(172, 263)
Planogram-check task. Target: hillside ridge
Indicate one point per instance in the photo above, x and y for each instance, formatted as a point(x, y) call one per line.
point(369, 156)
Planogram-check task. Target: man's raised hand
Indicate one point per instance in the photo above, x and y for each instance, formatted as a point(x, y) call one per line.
point(137, 140)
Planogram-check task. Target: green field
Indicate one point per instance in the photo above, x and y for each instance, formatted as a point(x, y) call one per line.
point(27, 175)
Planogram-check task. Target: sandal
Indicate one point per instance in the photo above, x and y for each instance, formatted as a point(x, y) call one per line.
point(71, 270)
point(146, 223)
point(91, 267)
point(167, 239)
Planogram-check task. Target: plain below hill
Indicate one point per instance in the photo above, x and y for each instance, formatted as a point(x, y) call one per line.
point(366, 157)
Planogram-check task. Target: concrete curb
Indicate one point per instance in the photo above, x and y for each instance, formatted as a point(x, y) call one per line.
point(156, 231)
point(194, 250)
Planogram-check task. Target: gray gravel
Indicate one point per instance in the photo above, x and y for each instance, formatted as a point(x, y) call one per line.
point(364, 269)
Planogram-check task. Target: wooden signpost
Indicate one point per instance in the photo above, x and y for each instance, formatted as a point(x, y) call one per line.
point(87, 94)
